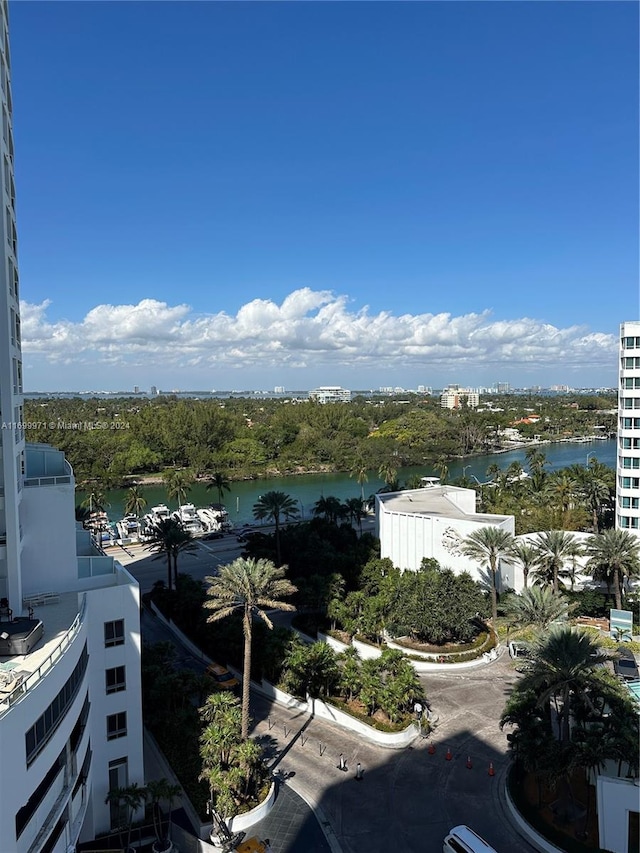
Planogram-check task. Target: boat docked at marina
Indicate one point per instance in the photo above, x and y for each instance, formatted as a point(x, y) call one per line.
point(188, 517)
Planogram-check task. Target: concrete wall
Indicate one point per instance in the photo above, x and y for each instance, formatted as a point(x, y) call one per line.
point(616, 798)
point(49, 539)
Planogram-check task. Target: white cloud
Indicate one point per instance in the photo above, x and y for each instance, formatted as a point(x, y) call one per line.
point(309, 328)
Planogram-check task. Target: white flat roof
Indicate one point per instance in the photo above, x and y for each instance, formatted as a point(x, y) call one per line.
point(433, 501)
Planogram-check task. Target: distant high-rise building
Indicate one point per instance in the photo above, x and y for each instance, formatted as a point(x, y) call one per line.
point(153, 390)
point(70, 710)
point(503, 387)
point(628, 459)
point(279, 389)
point(455, 397)
point(136, 389)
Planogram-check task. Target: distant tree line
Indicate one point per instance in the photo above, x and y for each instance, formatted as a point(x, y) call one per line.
point(251, 438)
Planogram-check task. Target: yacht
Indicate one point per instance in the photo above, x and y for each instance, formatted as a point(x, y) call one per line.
point(149, 521)
point(188, 517)
point(219, 512)
point(128, 527)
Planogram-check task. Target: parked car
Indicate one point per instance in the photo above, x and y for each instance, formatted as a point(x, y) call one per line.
point(625, 666)
point(221, 675)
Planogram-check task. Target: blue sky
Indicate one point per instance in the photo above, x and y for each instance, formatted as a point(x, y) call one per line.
point(243, 195)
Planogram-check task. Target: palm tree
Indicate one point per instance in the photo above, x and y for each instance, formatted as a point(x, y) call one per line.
point(329, 508)
point(388, 471)
point(275, 505)
point(489, 545)
point(359, 471)
point(537, 606)
point(168, 537)
point(159, 791)
point(127, 800)
point(219, 482)
point(614, 555)
point(555, 547)
point(248, 586)
point(95, 501)
point(527, 556)
point(564, 672)
point(354, 508)
point(135, 501)
point(178, 485)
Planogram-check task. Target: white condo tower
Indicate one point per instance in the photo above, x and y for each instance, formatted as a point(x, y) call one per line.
point(628, 449)
point(70, 712)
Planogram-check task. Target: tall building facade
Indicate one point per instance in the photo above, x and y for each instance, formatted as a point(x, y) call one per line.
point(628, 449)
point(70, 711)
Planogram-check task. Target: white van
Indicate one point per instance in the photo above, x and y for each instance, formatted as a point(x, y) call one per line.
point(461, 839)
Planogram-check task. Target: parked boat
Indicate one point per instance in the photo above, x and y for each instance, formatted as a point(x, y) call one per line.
point(128, 528)
point(188, 517)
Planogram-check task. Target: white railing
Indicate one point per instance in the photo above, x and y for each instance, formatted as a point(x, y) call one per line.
point(39, 821)
point(32, 679)
point(48, 481)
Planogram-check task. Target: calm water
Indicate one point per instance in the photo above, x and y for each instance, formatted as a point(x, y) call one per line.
point(308, 488)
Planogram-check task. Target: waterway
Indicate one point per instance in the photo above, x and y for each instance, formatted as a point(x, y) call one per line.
point(306, 489)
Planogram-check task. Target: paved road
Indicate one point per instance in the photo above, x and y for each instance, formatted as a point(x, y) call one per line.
point(408, 799)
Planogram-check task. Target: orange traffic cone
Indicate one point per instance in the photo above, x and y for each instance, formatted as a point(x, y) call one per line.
point(469, 764)
point(448, 756)
point(432, 748)
point(492, 772)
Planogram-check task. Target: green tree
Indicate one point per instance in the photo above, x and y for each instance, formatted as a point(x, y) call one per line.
point(527, 556)
point(178, 485)
point(361, 475)
point(556, 548)
point(275, 505)
point(249, 587)
point(127, 800)
point(488, 545)
point(135, 501)
point(614, 556)
point(538, 606)
point(159, 791)
point(220, 483)
point(168, 538)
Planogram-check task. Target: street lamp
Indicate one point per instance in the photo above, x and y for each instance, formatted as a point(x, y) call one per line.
point(590, 453)
point(464, 476)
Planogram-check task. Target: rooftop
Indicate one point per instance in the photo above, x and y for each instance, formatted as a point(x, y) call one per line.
point(433, 501)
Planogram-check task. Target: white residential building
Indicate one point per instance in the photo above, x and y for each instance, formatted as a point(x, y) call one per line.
point(70, 714)
point(330, 394)
point(454, 397)
point(628, 458)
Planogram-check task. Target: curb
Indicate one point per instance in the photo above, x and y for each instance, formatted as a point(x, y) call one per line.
point(534, 837)
point(316, 808)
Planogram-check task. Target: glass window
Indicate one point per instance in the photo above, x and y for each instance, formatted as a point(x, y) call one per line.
point(115, 679)
point(114, 633)
point(117, 725)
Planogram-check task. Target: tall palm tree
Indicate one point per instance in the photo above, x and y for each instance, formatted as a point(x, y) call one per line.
point(355, 511)
point(248, 586)
point(219, 482)
point(275, 505)
point(388, 471)
point(537, 606)
point(330, 508)
point(527, 556)
point(488, 545)
point(614, 555)
point(135, 501)
point(360, 472)
point(562, 492)
point(170, 539)
point(564, 671)
point(555, 547)
point(178, 484)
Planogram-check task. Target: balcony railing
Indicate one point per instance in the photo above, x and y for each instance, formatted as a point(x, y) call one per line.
point(33, 678)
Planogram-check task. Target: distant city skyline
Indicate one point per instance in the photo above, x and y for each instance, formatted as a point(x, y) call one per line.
point(453, 198)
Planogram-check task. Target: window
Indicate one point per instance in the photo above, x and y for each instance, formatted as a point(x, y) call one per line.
point(631, 343)
point(46, 724)
point(118, 778)
point(631, 382)
point(117, 725)
point(115, 679)
point(630, 423)
point(630, 462)
point(114, 633)
point(631, 403)
point(632, 363)
point(630, 482)
point(630, 503)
